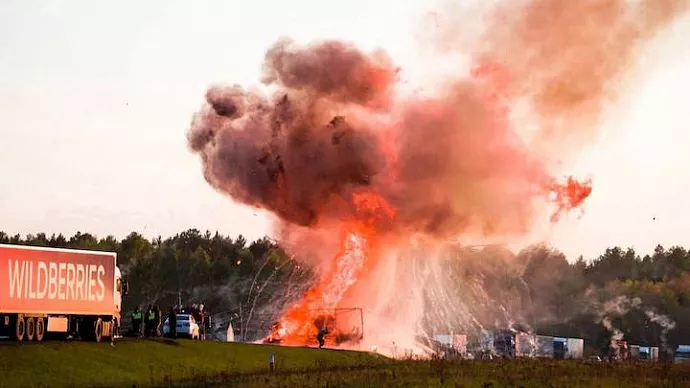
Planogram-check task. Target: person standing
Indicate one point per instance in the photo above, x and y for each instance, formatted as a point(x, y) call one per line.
point(205, 323)
point(159, 320)
point(150, 321)
point(136, 322)
point(320, 337)
point(172, 322)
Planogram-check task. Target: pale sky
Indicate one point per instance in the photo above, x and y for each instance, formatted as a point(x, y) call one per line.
point(96, 99)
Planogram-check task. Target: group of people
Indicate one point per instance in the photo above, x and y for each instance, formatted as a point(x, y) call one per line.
point(148, 323)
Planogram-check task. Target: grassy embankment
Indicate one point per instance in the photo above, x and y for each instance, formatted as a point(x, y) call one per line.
point(194, 363)
point(146, 363)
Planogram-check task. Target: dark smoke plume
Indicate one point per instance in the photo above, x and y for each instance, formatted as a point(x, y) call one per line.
point(292, 153)
point(449, 165)
point(333, 70)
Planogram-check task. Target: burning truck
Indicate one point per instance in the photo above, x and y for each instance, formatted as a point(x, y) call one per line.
point(344, 327)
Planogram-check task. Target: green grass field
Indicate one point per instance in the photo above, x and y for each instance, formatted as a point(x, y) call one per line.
point(147, 363)
point(194, 363)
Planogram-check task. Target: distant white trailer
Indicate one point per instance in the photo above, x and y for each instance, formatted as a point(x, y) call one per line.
point(654, 353)
point(635, 352)
point(525, 345)
point(649, 353)
point(682, 355)
point(576, 348)
point(544, 346)
point(445, 339)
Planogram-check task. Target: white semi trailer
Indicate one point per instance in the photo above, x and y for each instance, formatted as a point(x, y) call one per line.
point(64, 291)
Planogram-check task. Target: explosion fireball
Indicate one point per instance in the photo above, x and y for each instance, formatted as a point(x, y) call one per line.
point(369, 184)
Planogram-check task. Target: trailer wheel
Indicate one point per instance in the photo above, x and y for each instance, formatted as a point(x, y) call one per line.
point(19, 329)
point(30, 329)
point(40, 329)
point(98, 330)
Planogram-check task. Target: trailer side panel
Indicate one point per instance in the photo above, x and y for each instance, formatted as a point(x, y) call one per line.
point(56, 281)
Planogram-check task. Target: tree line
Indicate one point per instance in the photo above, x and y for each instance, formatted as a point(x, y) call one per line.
point(644, 298)
point(225, 274)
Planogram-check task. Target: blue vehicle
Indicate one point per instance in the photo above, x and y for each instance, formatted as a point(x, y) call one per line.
point(504, 344)
point(560, 348)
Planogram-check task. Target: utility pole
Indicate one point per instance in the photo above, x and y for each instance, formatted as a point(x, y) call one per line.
point(241, 324)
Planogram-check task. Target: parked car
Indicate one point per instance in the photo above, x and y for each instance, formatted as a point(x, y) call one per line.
point(186, 326)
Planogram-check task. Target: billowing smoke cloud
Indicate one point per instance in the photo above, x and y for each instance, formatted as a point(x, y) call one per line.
point(292, 153)
point(448, 165)
point(336, 143)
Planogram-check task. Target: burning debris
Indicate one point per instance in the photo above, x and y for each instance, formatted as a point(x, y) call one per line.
point(355, 171)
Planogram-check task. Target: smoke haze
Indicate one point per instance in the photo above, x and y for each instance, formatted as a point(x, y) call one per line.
point(563, 60)
point(336, 145)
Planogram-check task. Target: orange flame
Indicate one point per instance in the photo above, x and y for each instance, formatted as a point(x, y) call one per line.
point(569, 195)
point(359, 243)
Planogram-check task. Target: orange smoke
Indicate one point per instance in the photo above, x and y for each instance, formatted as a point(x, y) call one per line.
point(567, 58)
point(319, 155)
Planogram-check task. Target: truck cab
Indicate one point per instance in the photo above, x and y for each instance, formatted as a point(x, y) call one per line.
point(121, 290)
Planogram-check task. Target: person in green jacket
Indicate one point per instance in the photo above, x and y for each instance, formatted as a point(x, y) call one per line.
point(150, 321)
point(136, 322)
